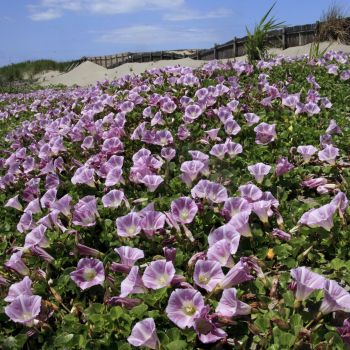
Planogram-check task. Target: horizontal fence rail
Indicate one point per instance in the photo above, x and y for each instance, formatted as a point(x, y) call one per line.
point(286, 37)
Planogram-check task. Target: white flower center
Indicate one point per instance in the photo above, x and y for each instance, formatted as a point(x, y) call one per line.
point(89, 274)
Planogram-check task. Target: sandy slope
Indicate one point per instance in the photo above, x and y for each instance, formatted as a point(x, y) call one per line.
point(89, 73)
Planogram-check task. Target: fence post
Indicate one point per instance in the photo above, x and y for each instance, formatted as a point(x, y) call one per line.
point(161, 55)
point(215, 52)
point(284, 41)
point(150, 57)
point(173, 55)
point(235, 47)
point(197, 53)
point(300, 39)
point(317, 29)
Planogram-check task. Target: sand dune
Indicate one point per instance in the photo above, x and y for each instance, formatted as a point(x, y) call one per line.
point(89, 73)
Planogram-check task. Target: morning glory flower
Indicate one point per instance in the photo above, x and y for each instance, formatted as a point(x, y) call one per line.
point(24, 309)
point(152, 221)
point(207, 274)
point(14, 203)
point(128, 255)
point(184, 306)
point(20, 288)
point(283, 166)
point(132, 284)
point(265, 133)
point(144, 334)
point(113, 199)
point(227, 232)
point(230, 306)
point(259, 170)
point(307, 152)
point(220, 251)
point(306, 282)
point(85, 212)
point(158, 274)
point(237, 274)
point(183, 210)
point(329, 154)
point(152, 182)
point(89, 272)
point(129, 225)
point(320, 217)
point(335, 298)
point(84, 175)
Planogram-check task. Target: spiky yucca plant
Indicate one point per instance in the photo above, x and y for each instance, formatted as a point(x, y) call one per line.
point(257, 44)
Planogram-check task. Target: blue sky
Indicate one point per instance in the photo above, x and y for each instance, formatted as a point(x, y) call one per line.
point(70, 29)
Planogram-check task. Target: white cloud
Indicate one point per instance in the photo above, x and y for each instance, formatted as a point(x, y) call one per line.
point(47, 8)
point(46, 15)
point(152, 36)
point(188, 15)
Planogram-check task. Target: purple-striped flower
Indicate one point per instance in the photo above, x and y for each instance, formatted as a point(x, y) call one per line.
point(333, 128)
point(191, 169)
point(168, 153)
point(158, 274)
point(184, 306)
point(220, 251)
point(227, 232)
point(237, 274)
point(306, 282)
point(320, 217)
point(132, 284)
point(23, 287)
point(84, 175)
point(329, 154)
point(251, 118)
point(307, 152)
point(113, 199)
point(37, 237)
point(128, 255)
point(152, 221)
point(230, 306)
point(85, 212)
point(207, 329)
point(265, 133)
point(344, 331)
point(250, 192)
point(144, 334)
point(207, 274)
point(152, 182)
point(219, 150)
point(14, 203)
point(283, 166)
point(24, 309)
point(129, 225)
point(259, 170)
point(16, 263)
point(335, 298)
point(89, 272)
point(184, 209)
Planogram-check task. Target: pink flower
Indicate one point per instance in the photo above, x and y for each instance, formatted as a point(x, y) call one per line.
point(184, 210)
point(207, 274)
point(158, 274)
point(144, 334)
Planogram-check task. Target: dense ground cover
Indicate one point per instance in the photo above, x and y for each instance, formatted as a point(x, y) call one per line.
point(179, 210)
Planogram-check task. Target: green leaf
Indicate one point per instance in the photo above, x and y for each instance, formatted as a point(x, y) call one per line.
point(177, 345)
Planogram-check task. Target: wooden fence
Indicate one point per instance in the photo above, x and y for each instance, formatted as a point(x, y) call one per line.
point(283, 38)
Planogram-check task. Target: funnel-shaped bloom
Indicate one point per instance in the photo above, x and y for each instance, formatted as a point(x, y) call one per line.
point(259, 170)
point(184, 306)
point(152, 182)
point(85, 211)
point(238, 274)
point(129, 225)
point(336, 298)
point(320, 217)
point(344, 331)
point(251, 118)
point(333, 128)
point(132, 284)
point(158, 274)
point(192, 168)
point(234, 206)
point(14, 203)
point(262, 209)
point(306, 282)
point(221, 252)
point(208, 330)
point(230, 306)
point(20, 288)
point(37, 237)
point(219, 151)
point(227, 232)
point(168, 153)
point(307, 152)
point(113, 199)
point(207, 274)
point(152, 221)
point(84, 175)
point(24, 309)
point(184, 210)
point(144, 334)
point(63, 205)
point(128, 255)
point(89, 272)
point(283, 166)
point(250, 192)
point(265, 133)
point(17, 264)
point(329, 154)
